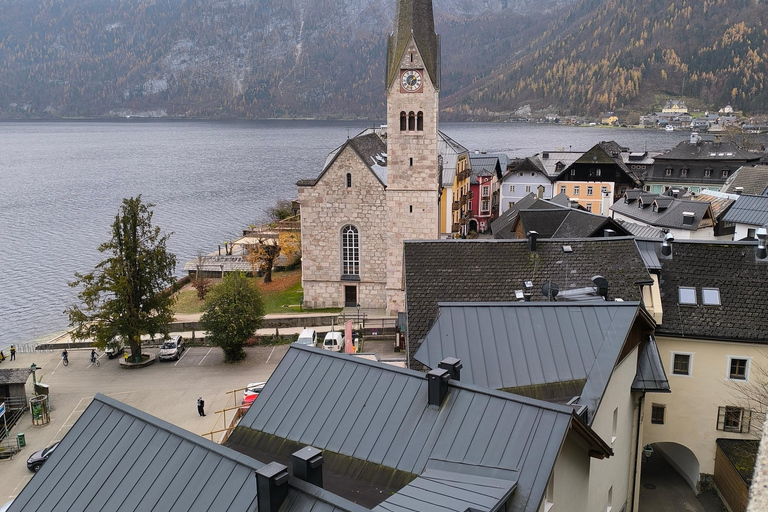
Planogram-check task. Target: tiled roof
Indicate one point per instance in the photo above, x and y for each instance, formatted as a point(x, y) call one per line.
point(707, 150)
point(491, 271)
point(414, 18)
point(548, 160)
point(533, 344)
point(14, 375)
point(752, 210)
point(733, 269)
point(371, 149)
point(375, 417)
point(502, 227)
point(717, 201)
point(669, 213)
point(752, 180)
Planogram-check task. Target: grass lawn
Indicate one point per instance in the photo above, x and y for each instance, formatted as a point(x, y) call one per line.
point(282, 295)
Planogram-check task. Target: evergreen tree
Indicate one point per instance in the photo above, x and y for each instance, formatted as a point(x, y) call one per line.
point(126, 294)
point(233, 311)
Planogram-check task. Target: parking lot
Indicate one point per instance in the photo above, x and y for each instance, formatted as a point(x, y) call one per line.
point(168, 390)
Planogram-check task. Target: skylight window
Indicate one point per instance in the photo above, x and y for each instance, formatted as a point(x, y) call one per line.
point(687, 295)
point(710, 296)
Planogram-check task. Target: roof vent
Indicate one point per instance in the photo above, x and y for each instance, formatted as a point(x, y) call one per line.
point(666, 244)
point(609, 232)
point(739, 190)
point(688, 218)
point(527, 290)
point(307, 465)
point(453, 366)
point(550, 290)
point(675, 193)
point(762, 237)
point(438, 386)
point(602, 286)
point(271, 486)
point(545, 154)
point(532, 237)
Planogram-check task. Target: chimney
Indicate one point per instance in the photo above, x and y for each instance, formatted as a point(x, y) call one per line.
point(695, 138)
point(545, 154)
point(666, 245)
point(307, 465)
point(688, 218)
point(453, 366)
point(739, 190)
point(762, 242)
point(532, 237)
point(438, 386)
point(271, 486)
point(609, 232)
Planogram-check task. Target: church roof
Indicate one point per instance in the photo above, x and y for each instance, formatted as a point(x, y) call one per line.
point(371, 149)
point(414, 17)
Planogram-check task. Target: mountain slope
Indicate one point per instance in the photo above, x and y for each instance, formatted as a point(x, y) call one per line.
point(325, 58)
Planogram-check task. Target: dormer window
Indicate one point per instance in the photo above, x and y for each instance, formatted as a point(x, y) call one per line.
point(668, 171)
point(683, 173)
point(707, 173)
point(655, 208)
point(725, 174)
point(573, 172)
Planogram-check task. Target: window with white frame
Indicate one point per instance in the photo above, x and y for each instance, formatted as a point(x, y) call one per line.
point(577, 190)
point(681, 363)
point(738, 368)
point(527, 189)
point(589, 207)
point(350, 251)
point(710, 296)
point(486, 191)
point(485, 205)
point(589, 191)
point(562, 189)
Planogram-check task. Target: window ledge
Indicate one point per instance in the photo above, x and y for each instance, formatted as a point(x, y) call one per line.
point(350, 277)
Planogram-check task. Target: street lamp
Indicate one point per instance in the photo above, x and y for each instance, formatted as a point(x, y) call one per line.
point(33, 369)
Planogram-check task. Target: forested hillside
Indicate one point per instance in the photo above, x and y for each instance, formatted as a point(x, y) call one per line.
point(325, 58)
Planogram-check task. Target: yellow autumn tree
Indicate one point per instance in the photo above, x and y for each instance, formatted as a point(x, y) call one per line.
point(264, 250)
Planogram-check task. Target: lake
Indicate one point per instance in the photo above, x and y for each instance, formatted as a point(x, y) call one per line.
point(63, 183)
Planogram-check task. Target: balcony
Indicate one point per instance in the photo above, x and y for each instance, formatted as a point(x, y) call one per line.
point(470, 214)
point(455, 227)
point(470, 194)
point(463, 221)
point(456, 206)
point(463, 200)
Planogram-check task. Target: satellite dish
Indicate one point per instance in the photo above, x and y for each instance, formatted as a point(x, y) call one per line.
point(602, 286)
point(550, 290)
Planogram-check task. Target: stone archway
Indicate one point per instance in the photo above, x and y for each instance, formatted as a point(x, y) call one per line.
point(682, 460)
point(472, 226)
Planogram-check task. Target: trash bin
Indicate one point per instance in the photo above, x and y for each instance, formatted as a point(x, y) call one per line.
point(20, 438)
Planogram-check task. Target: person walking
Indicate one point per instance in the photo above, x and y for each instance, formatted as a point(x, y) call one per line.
point(13, 352)
point(200, 406)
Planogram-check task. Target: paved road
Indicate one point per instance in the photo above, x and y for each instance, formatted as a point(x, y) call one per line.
point(168, 390)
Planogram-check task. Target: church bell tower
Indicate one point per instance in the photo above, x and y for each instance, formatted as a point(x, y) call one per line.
point(413, 180)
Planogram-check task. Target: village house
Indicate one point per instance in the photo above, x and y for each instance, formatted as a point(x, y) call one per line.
point(453, 162)
point(525, 176)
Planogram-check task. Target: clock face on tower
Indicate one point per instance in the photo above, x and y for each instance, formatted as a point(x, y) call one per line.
point(410, 80)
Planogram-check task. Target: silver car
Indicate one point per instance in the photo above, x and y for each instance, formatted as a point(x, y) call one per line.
point(171, 348)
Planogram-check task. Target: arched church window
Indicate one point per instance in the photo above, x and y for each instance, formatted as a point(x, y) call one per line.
point(411, 121)
point(403, 121)
point(349, 179)
point(420, 121)
point(350, 251)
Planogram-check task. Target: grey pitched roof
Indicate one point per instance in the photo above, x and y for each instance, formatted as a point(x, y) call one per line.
point(491, 271)
point(707, 150)
point(414, 18)
point(752, 180)
point(531, 344)
point(648, 251)
point(752, 210)
point(549, 160)
point(641, 230)
point(14, 375)
point(669, 213)
point(114, 445)
point(650, 376)
point(502, 227)
point(369, 147)
point(446, 491)
point(450, 150)
point(384, 424)
point(732, 268)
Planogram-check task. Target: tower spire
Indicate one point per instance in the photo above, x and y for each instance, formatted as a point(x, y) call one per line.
point(414, 18)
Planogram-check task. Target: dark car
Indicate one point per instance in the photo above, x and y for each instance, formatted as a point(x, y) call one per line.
point(36, 459)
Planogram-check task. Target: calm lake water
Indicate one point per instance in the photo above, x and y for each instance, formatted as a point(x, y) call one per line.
point(62, 184)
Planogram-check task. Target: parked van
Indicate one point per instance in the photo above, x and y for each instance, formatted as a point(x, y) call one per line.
point(334, 341)
point(308, 337)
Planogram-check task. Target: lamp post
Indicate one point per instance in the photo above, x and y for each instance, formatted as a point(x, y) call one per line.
point(33, 369)
point(358, 325)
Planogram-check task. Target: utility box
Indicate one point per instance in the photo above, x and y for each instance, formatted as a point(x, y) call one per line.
point(21, 439)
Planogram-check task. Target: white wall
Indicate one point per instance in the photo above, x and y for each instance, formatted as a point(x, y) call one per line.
point(570, 477)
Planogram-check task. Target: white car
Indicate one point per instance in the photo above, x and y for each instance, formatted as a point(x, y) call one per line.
point(171, 348)
point(334, 341)
point(251, 391)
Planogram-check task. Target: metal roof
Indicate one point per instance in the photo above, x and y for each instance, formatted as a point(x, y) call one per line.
point(641, 230)
point(384, 419)
point(445, 491)
point(114, 446)
point(647, 250)
point(752, 210)
point(450, 150)
point(522, 344)
point(650, 376)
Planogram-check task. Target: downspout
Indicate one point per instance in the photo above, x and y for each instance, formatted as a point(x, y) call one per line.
point(637, 447)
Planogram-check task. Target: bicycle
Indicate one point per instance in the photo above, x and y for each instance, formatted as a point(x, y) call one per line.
point(95, 360)
point(64, 359)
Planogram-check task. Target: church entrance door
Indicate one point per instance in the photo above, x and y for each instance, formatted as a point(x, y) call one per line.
point(350, 296)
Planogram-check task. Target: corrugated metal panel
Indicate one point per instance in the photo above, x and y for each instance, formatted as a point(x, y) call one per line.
point(510, 345)
point(384, 418)
point(650, 376)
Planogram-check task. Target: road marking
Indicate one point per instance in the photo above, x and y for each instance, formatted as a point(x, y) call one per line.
point(182, 357)
point(270, 355)
point(206, 355)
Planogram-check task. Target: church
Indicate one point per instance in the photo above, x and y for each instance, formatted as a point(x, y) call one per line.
point(380, 187)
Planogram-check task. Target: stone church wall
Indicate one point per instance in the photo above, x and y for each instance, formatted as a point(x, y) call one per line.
point(325, 209)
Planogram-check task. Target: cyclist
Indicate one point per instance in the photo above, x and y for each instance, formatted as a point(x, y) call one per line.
point(93, 356)
point(64, 357)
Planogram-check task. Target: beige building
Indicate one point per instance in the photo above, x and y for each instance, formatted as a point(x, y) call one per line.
point(712, 340)
point(381, 187)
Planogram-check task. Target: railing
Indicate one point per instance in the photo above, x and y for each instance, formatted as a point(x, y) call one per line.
point(14, 410)
point(463, 200)
point(455, 227)
point(222, 426)
point(470, 194)
point(9, 448)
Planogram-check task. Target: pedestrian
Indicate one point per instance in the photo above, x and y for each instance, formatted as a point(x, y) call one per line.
point(200, 406)
point(13, 352)
point(2, 357)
